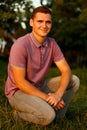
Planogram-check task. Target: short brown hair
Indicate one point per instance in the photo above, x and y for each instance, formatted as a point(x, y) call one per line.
point(41, 9)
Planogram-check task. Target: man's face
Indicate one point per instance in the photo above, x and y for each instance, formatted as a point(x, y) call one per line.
point(41, 24)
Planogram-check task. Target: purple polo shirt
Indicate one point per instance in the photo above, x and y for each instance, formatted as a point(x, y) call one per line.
point(28, 53)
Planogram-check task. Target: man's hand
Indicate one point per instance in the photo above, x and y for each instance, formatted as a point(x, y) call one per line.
point(55, 101)
point(60, 105)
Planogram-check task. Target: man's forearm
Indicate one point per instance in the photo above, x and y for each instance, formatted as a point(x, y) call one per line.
point(30, 89)
point(64, 82)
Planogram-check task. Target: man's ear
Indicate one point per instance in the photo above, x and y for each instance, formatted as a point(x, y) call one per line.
point(31, 22)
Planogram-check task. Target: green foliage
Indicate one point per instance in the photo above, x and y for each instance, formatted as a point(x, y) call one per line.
point(70, 29)
point(69, 24)
point(12, 13)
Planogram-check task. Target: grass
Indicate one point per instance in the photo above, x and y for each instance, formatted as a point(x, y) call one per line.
point(76, 116)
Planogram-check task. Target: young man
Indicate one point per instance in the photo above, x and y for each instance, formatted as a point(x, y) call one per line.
point(34, 99)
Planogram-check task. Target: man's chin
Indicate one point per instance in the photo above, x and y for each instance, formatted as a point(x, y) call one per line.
point(44, 34)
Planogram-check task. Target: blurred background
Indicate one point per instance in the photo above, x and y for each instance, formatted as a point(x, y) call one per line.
point(70, 31)
point(69, 26)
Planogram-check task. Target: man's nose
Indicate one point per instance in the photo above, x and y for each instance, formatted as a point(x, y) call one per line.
point(44, 24)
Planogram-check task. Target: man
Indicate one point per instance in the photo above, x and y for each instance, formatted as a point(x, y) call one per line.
point(34, 99)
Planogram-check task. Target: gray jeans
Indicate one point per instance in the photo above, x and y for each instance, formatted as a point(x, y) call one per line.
point(35, 109)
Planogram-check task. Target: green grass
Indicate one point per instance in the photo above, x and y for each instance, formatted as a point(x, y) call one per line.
point(76, 116)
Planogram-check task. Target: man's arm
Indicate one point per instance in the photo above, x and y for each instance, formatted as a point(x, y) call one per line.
point(24, 85)
point(55, 98)
point(65, 76)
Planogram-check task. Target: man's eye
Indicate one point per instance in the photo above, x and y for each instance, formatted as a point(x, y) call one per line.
point(49, 22)
point(40, 21)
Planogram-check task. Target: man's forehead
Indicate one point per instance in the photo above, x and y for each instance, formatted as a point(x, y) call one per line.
point(40, 15)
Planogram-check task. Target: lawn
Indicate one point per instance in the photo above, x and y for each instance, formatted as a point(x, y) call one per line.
point(76, 116)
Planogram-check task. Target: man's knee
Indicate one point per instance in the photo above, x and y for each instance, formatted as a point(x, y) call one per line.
point(49, 118)
point(42, 118)
point(76, 83)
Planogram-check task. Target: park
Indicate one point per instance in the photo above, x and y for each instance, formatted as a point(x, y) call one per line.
point(70, 31)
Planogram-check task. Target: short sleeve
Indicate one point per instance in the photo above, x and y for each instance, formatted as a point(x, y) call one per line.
point(18, 55)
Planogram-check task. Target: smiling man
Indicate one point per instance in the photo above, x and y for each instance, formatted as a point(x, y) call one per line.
point(37, 100)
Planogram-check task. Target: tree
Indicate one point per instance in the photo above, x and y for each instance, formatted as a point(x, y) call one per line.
point(47, 3)
point(13, 15)
point(70, 29)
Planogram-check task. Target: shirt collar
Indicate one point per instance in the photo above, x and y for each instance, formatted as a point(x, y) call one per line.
point(36, 43)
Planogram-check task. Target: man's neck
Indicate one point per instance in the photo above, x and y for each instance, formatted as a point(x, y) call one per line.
point(40, 39)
